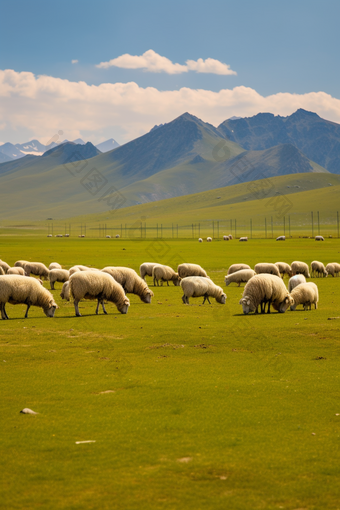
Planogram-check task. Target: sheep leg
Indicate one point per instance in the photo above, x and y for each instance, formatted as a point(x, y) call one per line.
point(78, 314)
point(167, 282)
point(26, 314)
point(6, 316)
point(52, 285)
point(263, 306)
point(184, 299)
point(269, 303)
point(3, 312)
point(104, 308)
point(98, 303)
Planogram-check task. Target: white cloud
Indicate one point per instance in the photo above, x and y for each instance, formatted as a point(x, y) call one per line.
point(74, 61)
point(45, 105)
point(155, 63)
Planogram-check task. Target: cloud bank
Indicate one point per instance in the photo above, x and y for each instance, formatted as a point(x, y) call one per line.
point(45, 105)
point(154, 63)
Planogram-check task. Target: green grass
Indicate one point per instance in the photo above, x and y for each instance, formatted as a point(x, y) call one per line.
point(190, 406)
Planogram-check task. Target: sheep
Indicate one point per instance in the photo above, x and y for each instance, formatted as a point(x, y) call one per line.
point(268, 268)
point(2, 272)
point(78, 268)
point(299, 267)
point(243, 239)
point(240, 276)
point(197, 286)
point(225, 238)
point(54, 265)
point(281, 238)
point(185, 270)
point(294, 281)
point(333, 268)
point(21, 263)
point(16, 270)
point(319, 238)
point(145, 269)
point(131, 282)
point(200, 240)
point(305, 294)
point(230, 237)
point(58, 275)
point(66, 235)
point(117, 236)
point(165, 274)
point(49, 235)
point(36, 268)
point(4, 266)
point(284, 268)
point(209, 239)
point(263, 289)
point(65, 291)
point(100, 286)
point(237, 267)
point(318, 268)
point(16, 289)
point(108, 237)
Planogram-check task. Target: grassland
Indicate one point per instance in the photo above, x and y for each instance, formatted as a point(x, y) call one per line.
point(189, 406)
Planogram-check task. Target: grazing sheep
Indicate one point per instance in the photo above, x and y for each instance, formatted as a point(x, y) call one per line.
point(186, 269)
point(108, 237)
point(243, 239)
point(117, 236)
point(146, 268)
point(317, 269)
point(209, 239)
point(66, 235)
point(263, 289)
point(4, 266)
point(54, 265)
point(333, 268)
point(21, 263)
point(299, 267)
point(65, 291)
point(49, 235)
point(100, 286)
point(281, 238)
point(230, 237)
point(200, 240)
point(305, 294)
point(294, 281)
point(237, 267)
point(319, 238)
point(36, 268)
point(166, 274)
point(15, 289)
point(197, 286)
point(267, 268)
point(16, 270)
point(58, 275)
point(78, 268)
point(225, 238)
point(284, 268)
point(131, 282)
point(240, 276)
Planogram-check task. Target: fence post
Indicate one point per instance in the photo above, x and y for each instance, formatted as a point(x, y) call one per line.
point(284, 225)
point(318, 223)
point(235, 229)
point(272, 227)
point(312, 224)
point(218, 229)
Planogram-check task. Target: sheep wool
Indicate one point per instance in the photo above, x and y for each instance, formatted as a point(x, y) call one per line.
point(21, 263)
point(294, 281)
point(15, 289)
point(4, 266)
point(317, 269)
point(130, 281)
point(16, 270)
point(79, 267)
point(36, 268)
point(239, 277)
point(237, 267)
point(100, 286)
point(200, 240)
point(284, 268)
point(65, 291)
point(305, 294)
point(267, 268)
point(333, 268)
point(58, 275)
point(299, 267)
point(263, 289)
point(166, 274)
point(209, 239)
point(145, 269)
point(243, 239)
point(54, 265)
point(319, 238)
point(187, 269)
point(2, 272)
point(199, 286)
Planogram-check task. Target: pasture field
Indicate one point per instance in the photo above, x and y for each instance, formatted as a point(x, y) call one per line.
point(188, 407)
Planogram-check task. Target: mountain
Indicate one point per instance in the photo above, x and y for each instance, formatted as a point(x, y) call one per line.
point(108, 145)
point(317, 138)
point(71, 152)
point(11, 151)
point(19, 150)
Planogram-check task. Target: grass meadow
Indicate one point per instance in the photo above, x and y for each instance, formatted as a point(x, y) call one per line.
point(187, 407)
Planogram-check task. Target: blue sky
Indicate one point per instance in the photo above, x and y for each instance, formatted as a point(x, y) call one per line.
point(274, 47)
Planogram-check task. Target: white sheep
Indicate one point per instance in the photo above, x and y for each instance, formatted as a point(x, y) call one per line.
point(16, 270)
point(281, 238)
point(54, 265)
point(58, 275)
point(317, 269)
point(79, 268)
point(237, 267)
point(243, 239)
point(284, 268)
point(2, 272)
point(198, 286)
point(166, 274)
point(117, 236)
point(49, 235)
point(200, 240)
point(36, 268)
point(108, 237)
point(65, 291)
point(239, 276)
point(21, 263)
point(145, 269)
point(130, 281)
point(225, 238)
point(267, 268)
point(263, 289)
point(230, 237)
point(66, 235)
point(209, 239)
point(305, 294)
point(4, 266)
point(299, 267)
point(187, 269)
point(294, 281)
point(319, 238)
point(333, 268)
point(15, 289)
point(100, 286)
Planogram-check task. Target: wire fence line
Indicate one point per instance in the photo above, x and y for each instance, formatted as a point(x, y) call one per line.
point(307, 224)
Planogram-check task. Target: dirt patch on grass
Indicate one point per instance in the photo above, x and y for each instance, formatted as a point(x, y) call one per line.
point(167, 346)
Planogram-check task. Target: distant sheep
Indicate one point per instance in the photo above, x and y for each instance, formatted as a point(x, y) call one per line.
point(263, 289)
point(145, 269)
point(281, 238)
point(166, 274)
point(294, 281)
point(209, 239)
point(16, 270)
point(130, 281)
point(65, 291)
point(305, 294)
point(117, 236)
point(15, 289)
point(237, 267)
point(100, 286)
point(4, 266)
point(239, 277)
point(230, 237)
point(187, 269)
point(37, 269)
point(267, 268)
point(333, 268)
point(49, 235)
point(243, 239)
point(225, 238)
point(317, 269)
point(200, 240)
point(299, 267)
point(284, 268)
point(198, 286)
point(54, 265)
point(58, 275)
point(108, 237)
point(319, 238)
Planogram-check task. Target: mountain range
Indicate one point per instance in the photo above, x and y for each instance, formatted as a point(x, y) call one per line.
point(179, 158)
